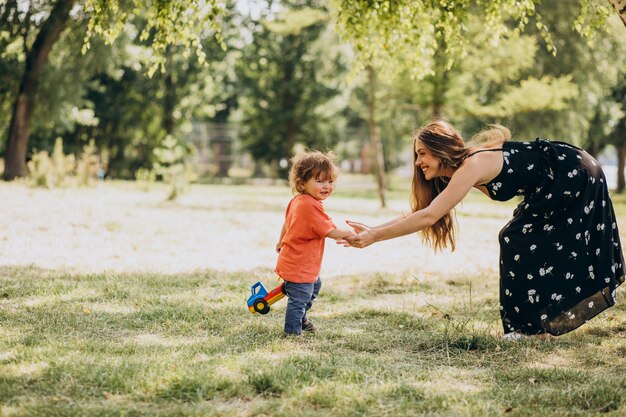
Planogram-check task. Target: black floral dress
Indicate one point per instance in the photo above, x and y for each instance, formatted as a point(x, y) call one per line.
point(560, 255)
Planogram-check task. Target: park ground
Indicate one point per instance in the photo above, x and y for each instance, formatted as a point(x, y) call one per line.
point(114, 301)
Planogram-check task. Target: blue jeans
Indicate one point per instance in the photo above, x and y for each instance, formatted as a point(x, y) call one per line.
point(301, 296)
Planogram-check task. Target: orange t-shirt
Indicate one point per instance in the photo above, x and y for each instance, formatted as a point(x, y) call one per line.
point(302, 247)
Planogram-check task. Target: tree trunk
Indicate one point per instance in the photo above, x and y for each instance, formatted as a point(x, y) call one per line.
point(169, 99)
point(620, 8)
point(621, 159)
point(377, 145)
point(15, 159)
point(440, 80)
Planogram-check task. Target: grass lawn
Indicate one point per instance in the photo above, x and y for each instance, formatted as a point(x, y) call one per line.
point(113, 342)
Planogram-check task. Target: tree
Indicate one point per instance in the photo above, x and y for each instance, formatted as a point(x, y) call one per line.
point(288, 75)
point(168, 22)
point(375, 140)
point(15, 162)
point(408, 30)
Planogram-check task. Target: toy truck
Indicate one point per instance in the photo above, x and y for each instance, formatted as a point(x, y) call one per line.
point(260, 300)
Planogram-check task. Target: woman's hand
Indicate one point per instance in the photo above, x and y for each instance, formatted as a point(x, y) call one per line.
point(362, 240)
point(357, 226)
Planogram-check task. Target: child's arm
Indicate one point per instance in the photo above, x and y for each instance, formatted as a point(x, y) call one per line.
point(280, 240)
point(340, 233)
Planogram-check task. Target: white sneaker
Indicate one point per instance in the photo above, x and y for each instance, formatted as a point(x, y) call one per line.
point(513, 336)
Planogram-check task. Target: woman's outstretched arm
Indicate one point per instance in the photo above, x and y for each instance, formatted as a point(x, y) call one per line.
point(460, 184)
point(360, 227)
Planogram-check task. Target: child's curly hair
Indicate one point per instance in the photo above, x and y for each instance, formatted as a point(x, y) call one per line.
point(311, 164)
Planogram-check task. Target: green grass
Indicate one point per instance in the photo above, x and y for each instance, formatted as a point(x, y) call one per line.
point(149, 344)
point(185, 345)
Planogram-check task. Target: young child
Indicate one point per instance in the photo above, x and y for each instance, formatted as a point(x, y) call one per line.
point(301, 244)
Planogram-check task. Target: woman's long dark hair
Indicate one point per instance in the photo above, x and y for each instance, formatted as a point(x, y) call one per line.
point(447, 145)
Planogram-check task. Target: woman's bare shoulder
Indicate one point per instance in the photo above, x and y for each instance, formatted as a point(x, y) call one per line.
point(484, 166)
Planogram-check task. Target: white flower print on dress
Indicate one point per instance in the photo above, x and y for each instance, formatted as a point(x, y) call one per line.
point(532, 248)
point(530, 167)
point(545, 271)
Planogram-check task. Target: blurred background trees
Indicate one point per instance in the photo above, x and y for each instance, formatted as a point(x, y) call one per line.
point(251, 82)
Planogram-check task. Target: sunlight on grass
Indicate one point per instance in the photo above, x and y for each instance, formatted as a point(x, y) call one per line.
point(153, 321)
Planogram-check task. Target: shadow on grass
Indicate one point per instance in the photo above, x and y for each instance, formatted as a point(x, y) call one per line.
point(150, 344)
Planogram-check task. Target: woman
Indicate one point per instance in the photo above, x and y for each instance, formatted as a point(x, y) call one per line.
point(560, 255)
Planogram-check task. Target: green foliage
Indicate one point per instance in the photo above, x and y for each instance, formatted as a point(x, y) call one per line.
point(178, 22)
point(593, 65)
point(145, 177)
point(531, 95)
point(172, 166)
point(409, 33)
point(289, 84)
point(61, 170)
point(592, 17)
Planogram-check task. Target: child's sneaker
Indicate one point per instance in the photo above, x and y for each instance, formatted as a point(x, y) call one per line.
point(308, 326)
